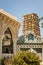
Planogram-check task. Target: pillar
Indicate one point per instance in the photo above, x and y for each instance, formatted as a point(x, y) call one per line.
point(0, 46)
point(42, 54)
point(14, 47)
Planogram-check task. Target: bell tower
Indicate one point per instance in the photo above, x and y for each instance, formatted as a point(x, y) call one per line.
point(31, 24)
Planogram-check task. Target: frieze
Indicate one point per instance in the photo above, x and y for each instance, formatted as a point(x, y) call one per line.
point(30, 46)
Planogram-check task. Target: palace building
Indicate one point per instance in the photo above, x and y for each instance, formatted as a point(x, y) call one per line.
point(31, 39)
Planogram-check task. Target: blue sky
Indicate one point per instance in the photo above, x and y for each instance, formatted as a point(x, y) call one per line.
point(19, 8)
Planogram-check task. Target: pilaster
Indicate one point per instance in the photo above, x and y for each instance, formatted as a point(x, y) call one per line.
point(42, 54)
point(0, 46)
point(14, 46)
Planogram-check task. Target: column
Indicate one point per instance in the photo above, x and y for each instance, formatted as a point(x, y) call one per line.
point(14, 47)
point(42, 54)
point(0, 47)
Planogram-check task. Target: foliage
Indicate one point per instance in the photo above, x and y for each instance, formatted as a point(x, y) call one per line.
point(40, 18)
point(26, 58)
point(20, 39)
point(3, 61)
point(23, 58)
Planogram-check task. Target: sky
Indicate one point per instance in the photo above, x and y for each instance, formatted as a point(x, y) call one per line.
point(19, 8)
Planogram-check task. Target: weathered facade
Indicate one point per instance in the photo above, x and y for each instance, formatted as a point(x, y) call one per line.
point(31, 39)
point(31, 22)
point(9, 27)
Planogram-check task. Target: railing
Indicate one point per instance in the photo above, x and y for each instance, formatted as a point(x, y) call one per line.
point(8, 56)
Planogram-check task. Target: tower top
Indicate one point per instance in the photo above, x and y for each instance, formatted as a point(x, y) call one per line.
point(32, 14)
point(31, 23)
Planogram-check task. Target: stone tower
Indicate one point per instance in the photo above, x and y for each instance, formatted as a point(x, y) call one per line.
point(31, 24)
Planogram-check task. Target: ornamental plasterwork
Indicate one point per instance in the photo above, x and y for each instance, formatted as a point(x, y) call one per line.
point(37, 39)
point(30, 46)
point(7, 18)
point(8, 21)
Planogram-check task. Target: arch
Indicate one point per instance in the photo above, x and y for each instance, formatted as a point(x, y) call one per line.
point(30, 36)
point(10, 28)
point(7, 42)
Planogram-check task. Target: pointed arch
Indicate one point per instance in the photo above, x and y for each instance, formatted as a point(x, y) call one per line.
point(7, 42)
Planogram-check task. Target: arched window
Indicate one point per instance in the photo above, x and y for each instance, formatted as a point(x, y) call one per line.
point(7, 42)
point(30, 37)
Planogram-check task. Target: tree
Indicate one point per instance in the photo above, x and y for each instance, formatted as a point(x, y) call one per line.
point(40, 20)
point(21, 39)
point(3, 61)
point(26, 58)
